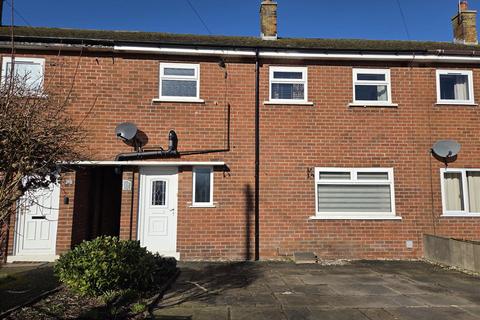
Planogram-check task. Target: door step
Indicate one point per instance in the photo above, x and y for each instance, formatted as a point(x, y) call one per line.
point(304, 257)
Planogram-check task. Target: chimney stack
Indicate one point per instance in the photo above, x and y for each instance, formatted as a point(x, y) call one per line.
point(268, 20)
point(465, 25)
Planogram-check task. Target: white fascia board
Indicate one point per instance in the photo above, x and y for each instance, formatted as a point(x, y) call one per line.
point(300, 55)
point(184, 51)
point(147, 163)
point(368, 57)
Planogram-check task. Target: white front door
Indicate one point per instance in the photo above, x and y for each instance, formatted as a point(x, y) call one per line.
point(158, 210)
point(36, 228)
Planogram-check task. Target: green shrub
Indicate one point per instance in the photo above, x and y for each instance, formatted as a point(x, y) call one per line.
point(106, 265)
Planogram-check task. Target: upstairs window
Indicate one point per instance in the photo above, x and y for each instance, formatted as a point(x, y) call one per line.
point(179, 82)
point(202, 187)
point(354, 193)
point(28, 72)
point(371, 86)
point(461, 191)
point(454, 87)
point(288, 84)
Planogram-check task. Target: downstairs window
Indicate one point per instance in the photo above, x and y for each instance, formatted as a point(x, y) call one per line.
point(461, 191)
point(202, 187)
point(366, 193)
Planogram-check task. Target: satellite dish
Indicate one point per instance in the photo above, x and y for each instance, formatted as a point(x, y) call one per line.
point(446, 150)
point(126, 131)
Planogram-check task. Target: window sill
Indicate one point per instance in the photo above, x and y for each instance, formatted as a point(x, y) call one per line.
point(202, 206)
point(456, 104)
point(374, 105)
point(179, 100)
point(460, 215)
point(289, 103)
point(359, 217)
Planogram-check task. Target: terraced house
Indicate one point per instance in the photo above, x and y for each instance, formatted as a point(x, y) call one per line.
point(214, 147)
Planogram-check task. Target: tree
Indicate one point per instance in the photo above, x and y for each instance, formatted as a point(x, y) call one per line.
point(36, 137)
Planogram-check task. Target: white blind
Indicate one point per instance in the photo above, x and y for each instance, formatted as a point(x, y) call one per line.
point(354, 198)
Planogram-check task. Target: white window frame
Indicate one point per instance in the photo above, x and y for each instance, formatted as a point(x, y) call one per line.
point(194, 173)
point(304, 81)
point(354, 181)
point(40, 61)
point(387, 83)
point(195, 77)
point(467, 73)
point(466, 200)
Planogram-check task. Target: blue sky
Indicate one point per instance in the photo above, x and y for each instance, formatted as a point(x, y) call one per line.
point(369, 19)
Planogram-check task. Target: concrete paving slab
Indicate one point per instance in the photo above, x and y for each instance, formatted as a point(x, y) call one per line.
point(474, 311)
point(297, 299)
point(426, 313)
point(363, 301)
point(441, 300)
point(361, 290)
point(209, 313)
point(377, 314)
point(335, 314)
point(258, 313)
point(321, 289)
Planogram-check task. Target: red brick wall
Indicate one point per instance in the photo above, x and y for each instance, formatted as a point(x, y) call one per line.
point(108, 90)
point(331, 134)
point(129, 208)
point(65, 227)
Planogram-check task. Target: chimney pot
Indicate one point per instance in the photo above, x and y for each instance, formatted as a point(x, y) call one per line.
point(465, 25)
point(268, 20)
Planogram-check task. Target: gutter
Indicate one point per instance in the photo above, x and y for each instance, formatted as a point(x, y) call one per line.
point(445, 56)
point(427, 56)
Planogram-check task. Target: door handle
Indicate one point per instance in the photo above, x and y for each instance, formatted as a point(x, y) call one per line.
point(172, 211)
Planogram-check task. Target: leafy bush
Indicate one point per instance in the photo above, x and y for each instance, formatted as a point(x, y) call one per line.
point(107, 265)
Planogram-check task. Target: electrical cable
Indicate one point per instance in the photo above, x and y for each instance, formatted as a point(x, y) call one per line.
point(404, 21)
point(18, 13)
point(199, 17)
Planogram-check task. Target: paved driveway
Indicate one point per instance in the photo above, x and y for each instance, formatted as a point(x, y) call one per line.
point(364, 290)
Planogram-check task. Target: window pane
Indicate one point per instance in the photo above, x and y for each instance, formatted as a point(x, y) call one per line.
point(454, 87)
point(179, 88)
point(30, 74)
point(372, 175)
point(158, 193)
point(370, 76)
point(354, 198)
point(202, 185)
point(287, 75)
point(473, 180)
point(288, 91)
point(371, 93)
point(178, 72)
point(453, 191)
point(334, 175)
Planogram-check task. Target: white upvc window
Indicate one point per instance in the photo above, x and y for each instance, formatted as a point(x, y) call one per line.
point(179, 82)
point(372, 87)
point(288, 85)
point(455, 87)
point(202, 187)
point(28, 72)
point(460, 192)
point(354, 193)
